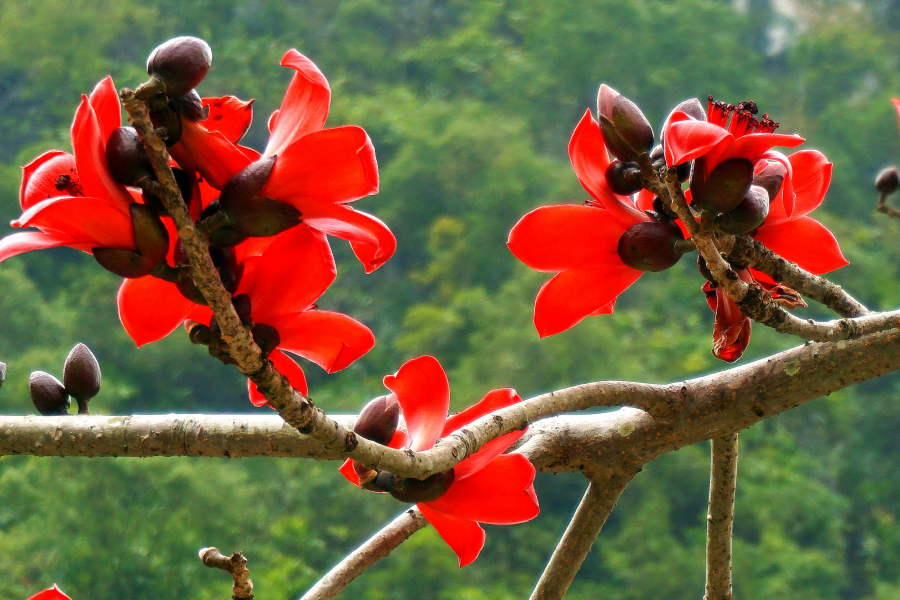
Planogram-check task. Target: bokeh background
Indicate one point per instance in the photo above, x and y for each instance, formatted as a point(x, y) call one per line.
point(470, 105)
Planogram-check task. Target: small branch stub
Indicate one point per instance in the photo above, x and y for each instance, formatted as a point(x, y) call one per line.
point(236, 565)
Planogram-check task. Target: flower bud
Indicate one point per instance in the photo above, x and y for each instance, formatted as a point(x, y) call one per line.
point(180, 63)
point(650, 245)
point(81, 376)
point(748, 215)
point(251, 214)
point(226, 263)
point(887, 181)
point(48, 394)
point(126, 157)
point(266, 337)
point(190, 106)
point(124, 263)
point(691, 107)
point(423, 490)
point(623, 178)
point(625, 130)
point(378, 420)
point(150, 234)
point(722, 189)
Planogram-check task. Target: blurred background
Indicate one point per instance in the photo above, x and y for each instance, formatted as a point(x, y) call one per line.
point(470, 105)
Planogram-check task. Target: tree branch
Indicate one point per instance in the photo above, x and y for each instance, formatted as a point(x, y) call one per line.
point(377, 547)
point(720, 519)
point(236, 565)
point(598, 502)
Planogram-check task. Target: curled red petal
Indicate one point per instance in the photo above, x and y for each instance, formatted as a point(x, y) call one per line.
point(229, 116)
point(26, 241)
point(571, 296)
point(752, 146)
point(804, 241)
point(53, 593)
point(105, 102)
point(305, 105)
point(92, 221)
point(331, 340)
point(732, 328)
point(90, 158)
point(287, 367)
point(423, 391)
point(788, 196)
point(492, 401)
point(150, 309)
point(41, 178)
point(498, 494)
point(208, 153)
point(566, 238)
point(465, 538)
point(811, 177)
point(486, 454)
point(332, 164)
point(687, 138)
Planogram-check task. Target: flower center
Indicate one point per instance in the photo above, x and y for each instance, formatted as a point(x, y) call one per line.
point(742, 117)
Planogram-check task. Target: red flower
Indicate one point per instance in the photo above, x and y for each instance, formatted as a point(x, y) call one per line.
point(51, 594)
point(73, 199)
point(317, 171)
point(489, 486)
point(579, 242)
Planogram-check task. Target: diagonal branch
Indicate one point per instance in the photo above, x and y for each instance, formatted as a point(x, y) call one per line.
point(598, 502)
point(377, 547)
point(720, 519)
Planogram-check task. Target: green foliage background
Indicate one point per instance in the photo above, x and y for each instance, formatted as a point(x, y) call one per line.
point(470, 105)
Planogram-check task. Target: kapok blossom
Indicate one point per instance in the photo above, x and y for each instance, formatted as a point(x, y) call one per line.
point(317, 171)
point(489, 486)
point(53, 593)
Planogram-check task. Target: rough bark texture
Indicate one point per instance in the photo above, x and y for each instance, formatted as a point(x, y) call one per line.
point(236, 565)
point(720, 518)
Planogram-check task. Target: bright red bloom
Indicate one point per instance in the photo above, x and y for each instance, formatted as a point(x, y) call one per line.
point(73, 199)
point(317, 171)
point(51, 594)
point(489, 486)
point(579, 242)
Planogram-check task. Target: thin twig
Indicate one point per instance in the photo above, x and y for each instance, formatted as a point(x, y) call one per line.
point(598, 502)
point(377, 547)
point(883, 208)
point(236, 565)
point(720, 519)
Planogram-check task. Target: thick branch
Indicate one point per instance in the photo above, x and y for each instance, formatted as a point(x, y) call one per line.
point(598, 502)
point(236, 565)
point(720, 519)
point(380, 545)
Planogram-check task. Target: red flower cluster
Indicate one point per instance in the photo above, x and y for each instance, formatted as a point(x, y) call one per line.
point(599, 249)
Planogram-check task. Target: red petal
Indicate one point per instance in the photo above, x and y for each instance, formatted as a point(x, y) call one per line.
point(210, 154)
point(589, 159)
point(606, 309)
point(644, 200)
point(372, 241)
point(465, 538)
point(90, 158)
point(688, 138)
point(150, 309)
point(19, 243)
point(788, 197)
point(332, 164)
point(486, 454)
point(39, 177)
point(290, 275)
point(105, 102)
point(731, 332)
point(496, 494)
point(347, 471)
point(305, 105)
point(804, 241)
point(566, 238)
point(492, 401)
point(811, 177)
point(91, 221)
point(752, 146)
point(572, 295)
point(423, 391)
point(229, 116)
point(896, 104)
point(53, 593)
point(287, 367)
point(329, 339)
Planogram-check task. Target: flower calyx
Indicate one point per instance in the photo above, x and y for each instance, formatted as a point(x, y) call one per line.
point(723, 188)
point(623, 178)
point(626, 131)
point(180, 64)
point(151, 239)
point(651, 245)
point(748, 215)
point(378, 420)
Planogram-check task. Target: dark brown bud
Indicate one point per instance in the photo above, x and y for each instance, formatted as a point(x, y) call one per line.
point(150, 234)
point(650, 246)
point(226, 263)
point(251, 214)
point(748, 215)
point(169, 120)
point(48, 394)
point(188, 288)
point(219, 226)
point(626, 130)
point(181, 63)
point(724, 188)
point(185, 183)
point(770, 178)
point(81, 376)
point(190, 106)
point(423, 490)
point(887, 181)
point(199, 333)
point(266, 337)
point(126, 157)
point(378, 420)
point(124, 263)
point(623, 178)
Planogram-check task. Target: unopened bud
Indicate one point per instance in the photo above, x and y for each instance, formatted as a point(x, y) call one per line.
point(378, 420)
point(887, 181)
point(423, 490)
point(749, 214)
point(181, 63)
point(190, 106)
point(252, 214)
point(623, 178)
point(226, 264)
point(81, 376)
point(48, 394)
point(126, 157)
point(691, 107)
point(722, 189)
point(150, 234)
point(650, 245)
point(626, 131)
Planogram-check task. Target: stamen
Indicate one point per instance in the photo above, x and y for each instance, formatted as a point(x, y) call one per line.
point(68, 184)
